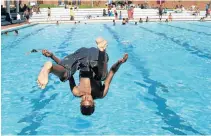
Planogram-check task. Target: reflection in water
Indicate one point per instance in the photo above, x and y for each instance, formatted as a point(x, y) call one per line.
point(175, 123)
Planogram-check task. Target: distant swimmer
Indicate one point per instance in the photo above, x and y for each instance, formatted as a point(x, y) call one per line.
point(123, 21)
point(33, 51)
point(16, 32)
point(114, 23)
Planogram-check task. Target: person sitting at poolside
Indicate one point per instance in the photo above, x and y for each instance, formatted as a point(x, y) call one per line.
point(140, 20)
point(123, 21)
point(57, 22)
point(160, 12)
point(147, 19)
point(166, 20)
point(170, 17)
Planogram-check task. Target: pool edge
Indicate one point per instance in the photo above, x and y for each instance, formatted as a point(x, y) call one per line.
point(18, 27)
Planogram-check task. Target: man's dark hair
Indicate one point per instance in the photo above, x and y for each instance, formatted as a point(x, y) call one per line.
point(87, 110)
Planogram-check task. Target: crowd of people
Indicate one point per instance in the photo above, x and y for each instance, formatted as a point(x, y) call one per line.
point(24, 10)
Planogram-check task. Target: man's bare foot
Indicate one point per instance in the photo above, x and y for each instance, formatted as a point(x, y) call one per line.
point(101, 43)
point(124, 59)
point(43, 76)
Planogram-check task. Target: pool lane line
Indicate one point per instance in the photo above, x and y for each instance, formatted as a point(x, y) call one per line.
point(181, 28)
point(168, 116)
point(14, 43)
point(191, 49)
point(65, 43)
point(199, 25)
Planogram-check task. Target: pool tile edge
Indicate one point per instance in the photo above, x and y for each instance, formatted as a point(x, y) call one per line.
point(17, 27)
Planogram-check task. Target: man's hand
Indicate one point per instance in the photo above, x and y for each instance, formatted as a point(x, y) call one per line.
point(46, 53)
point(124, 59)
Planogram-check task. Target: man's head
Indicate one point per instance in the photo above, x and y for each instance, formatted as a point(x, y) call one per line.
point(87, 105)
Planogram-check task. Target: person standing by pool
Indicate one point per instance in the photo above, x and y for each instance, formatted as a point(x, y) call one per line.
point(170, 17)
point(71, 14)
point(26, 14)
point(147, 19)
point(120, 15)
point(49, 13)
point(160, 11)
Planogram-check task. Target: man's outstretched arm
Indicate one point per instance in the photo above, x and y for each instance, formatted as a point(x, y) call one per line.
point(111, 73)
point(51, 55)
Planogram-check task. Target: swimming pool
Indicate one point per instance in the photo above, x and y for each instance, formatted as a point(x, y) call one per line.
point(163, 88)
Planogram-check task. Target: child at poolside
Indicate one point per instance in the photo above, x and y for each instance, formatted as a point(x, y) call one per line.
point(170, 17)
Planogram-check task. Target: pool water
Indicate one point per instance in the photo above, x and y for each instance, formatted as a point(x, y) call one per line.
point(163, 88)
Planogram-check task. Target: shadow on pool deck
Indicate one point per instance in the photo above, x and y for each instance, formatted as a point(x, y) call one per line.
point(168, 116)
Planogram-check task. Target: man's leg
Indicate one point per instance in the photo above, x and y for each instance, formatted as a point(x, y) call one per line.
point(48, 67)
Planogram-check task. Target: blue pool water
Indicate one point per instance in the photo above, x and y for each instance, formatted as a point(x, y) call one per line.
point(163, 88)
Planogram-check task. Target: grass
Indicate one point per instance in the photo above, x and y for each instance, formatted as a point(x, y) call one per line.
point(49, 5)
point(80, 6)
point(90, 6)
